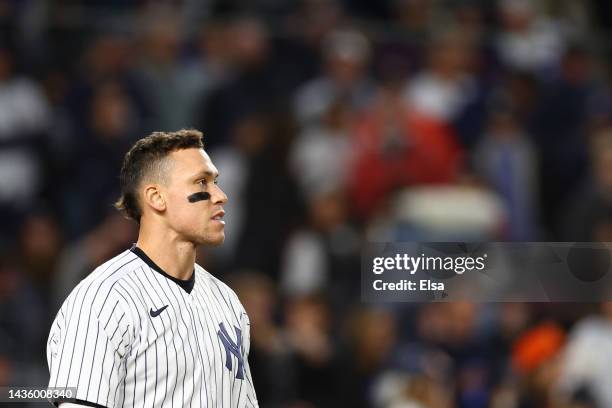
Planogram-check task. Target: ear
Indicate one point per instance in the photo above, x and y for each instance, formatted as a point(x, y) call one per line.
point(154, 198)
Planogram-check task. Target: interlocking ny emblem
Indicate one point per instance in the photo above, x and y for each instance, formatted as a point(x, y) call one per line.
point(232, 348)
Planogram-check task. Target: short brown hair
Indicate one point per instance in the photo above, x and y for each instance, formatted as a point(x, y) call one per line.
point(145, 158)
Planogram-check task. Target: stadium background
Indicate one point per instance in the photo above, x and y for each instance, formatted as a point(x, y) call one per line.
point(333, 123)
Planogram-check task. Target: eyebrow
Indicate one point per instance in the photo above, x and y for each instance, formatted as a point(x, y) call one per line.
point(206, 173)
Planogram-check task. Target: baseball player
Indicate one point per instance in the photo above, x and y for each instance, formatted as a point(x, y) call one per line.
point(150, 327)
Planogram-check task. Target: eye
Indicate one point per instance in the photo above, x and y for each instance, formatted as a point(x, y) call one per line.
point(203, 182)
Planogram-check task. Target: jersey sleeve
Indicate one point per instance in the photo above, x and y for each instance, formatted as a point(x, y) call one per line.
point(88, 344)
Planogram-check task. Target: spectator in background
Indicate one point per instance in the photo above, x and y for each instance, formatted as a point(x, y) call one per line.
point(323, 255)
point(563, 144)
point(506, 159)
point(416, 17)
point(271, 202)
point(25, 299)
point(110, 129)
point(470, 18)
point(536, 357)
point(252, 87)
point(320, 156)
point(588, 212)
point(177, 85)
point(24, 143)
point(346, 55)
point(448, 89)
point(160, 73)
point(307, 27)
point(444, 88)
point(527, 40)
point(103, 108)
point(459, 338)
point(109, 57)
point(40, 247)
point(313, 352)
point(396, 148)
point(523, 93)
point(421, 391)
point(371, 338)
point(327, 243)
point(399, 53)
point(585, 361)
point(200, 75)
point(23, 318)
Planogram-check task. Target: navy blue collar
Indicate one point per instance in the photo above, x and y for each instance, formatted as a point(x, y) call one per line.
point(186, 285)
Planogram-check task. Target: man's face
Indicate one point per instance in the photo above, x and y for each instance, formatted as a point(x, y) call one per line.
point(201, 222)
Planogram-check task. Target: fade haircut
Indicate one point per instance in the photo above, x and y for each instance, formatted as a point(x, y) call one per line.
point(146, 160)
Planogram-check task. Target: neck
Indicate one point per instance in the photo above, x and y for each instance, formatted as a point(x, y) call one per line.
point(175, 256)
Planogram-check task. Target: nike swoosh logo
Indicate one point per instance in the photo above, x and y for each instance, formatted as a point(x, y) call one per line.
point(155, 313)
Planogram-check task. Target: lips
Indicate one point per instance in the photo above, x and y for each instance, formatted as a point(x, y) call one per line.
point(218, 216)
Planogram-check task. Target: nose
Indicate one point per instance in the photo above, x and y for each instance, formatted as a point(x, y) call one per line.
point(218, 196)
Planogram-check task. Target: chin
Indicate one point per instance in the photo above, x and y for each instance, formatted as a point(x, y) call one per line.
point(218, 242)
point(213, 241)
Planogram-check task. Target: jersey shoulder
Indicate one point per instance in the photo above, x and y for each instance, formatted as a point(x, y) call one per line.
point(217, 284)
point(99, 288)
point(98, 299)
point(109, 273)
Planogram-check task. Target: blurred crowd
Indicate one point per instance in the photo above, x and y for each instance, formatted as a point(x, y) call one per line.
point(333, 123)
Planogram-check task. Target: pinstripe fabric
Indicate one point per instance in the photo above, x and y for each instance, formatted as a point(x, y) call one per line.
point(108, 343)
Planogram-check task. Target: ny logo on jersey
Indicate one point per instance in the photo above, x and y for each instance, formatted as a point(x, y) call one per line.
point(232, 348)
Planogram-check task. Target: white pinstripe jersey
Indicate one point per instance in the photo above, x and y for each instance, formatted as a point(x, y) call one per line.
point(130, 335)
